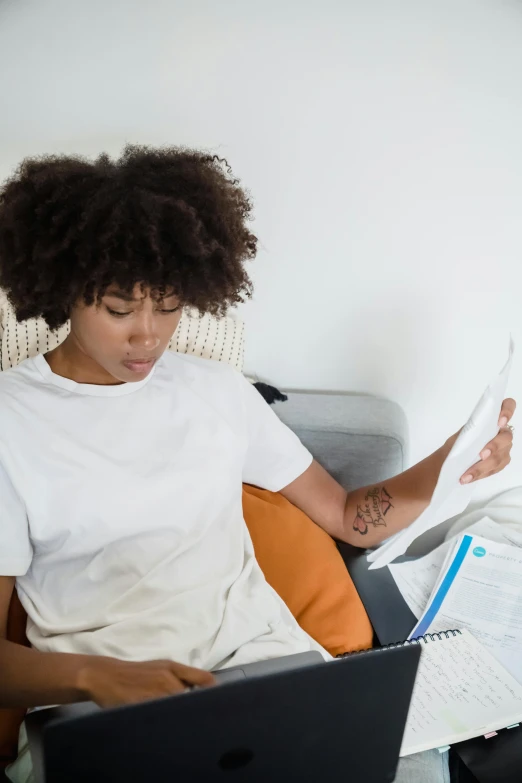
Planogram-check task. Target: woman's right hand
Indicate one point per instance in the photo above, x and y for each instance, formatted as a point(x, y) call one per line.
point(110, 682)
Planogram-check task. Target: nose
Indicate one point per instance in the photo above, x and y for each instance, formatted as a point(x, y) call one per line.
point(144, 336)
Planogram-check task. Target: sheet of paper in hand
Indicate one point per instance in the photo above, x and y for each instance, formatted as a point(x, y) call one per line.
point(450, 497)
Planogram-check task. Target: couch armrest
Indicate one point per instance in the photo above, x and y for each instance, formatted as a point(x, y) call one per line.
point(359, 439)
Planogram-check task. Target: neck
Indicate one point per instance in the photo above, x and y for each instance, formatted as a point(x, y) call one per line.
point(70, 361)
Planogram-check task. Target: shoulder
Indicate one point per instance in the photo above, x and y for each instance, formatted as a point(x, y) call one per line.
point(23, 375)
point(197, 370)
point(20, 399)
point(216, 384)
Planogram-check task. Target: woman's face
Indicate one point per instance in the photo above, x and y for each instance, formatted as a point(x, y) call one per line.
point(125, 334)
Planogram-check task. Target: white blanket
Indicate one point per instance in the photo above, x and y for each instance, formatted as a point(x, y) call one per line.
point(504, 508)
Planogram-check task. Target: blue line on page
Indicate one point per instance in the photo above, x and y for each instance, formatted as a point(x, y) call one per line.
point(445, 585)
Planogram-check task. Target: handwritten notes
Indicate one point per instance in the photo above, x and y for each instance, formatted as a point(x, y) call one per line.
point(460, 692)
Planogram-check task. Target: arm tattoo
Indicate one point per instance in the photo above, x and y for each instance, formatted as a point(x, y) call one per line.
point(377, 503)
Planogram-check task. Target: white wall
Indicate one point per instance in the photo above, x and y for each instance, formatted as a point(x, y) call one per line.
point(382, 144)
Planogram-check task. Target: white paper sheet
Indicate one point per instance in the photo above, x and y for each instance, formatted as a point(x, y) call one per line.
point(416, 579)
point(481, 590)
point(450, 497)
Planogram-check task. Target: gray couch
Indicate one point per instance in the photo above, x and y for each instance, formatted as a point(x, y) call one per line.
point(359, 439)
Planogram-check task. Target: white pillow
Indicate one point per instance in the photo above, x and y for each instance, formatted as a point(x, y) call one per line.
point(221, 339)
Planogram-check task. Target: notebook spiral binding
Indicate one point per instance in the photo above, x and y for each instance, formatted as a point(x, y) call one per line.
point(426, 639)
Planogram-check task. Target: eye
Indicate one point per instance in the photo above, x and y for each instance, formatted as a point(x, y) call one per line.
point(115, 313)
point(168, 312)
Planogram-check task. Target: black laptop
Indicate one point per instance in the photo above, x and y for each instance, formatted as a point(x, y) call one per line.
point(343, 719)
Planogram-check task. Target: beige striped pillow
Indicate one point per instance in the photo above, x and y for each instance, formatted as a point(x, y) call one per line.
point(221, 339)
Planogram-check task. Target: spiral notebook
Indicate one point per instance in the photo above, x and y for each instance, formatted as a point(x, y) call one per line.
point(461, 691)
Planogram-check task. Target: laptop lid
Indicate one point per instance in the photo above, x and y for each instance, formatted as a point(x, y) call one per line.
point(340, 718)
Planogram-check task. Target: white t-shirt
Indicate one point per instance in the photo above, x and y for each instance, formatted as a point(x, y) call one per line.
point(121, 513)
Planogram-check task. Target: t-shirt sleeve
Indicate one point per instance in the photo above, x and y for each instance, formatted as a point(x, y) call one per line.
point(16, 551)
point(275, 456)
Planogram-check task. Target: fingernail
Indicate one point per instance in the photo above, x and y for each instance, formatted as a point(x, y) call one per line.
point(503, 421)
point(466, 479)
point(485, 454)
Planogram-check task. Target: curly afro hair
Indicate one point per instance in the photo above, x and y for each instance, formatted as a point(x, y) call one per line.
point(169, 219)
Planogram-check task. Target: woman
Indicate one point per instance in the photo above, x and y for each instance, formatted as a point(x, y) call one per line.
point(121, 466)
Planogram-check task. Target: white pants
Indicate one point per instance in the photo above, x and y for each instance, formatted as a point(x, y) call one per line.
point(428, 767)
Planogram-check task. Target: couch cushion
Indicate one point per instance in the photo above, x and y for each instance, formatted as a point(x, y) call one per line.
point(301, 562)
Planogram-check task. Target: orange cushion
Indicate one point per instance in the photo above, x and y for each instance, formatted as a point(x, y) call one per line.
point(303, 565)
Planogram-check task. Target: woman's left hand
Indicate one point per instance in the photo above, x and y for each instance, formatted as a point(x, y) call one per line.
point(495, 455)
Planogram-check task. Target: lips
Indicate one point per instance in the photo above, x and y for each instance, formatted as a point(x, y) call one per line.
point(139, 365)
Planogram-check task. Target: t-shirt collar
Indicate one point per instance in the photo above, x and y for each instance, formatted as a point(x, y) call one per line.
point(87, 388)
